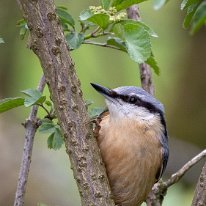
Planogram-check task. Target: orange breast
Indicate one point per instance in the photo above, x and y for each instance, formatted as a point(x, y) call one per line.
point(131, 152)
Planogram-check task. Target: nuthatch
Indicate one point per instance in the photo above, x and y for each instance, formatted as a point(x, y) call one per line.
point(133, 141)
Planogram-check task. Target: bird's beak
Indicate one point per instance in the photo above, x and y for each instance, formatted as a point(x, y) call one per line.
point(107, 93)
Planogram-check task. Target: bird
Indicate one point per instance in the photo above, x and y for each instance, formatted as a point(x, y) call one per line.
point(132, 136)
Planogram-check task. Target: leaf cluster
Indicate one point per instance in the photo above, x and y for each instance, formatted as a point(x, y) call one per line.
point(48, 125)
point(195, 14)
point(107, 25)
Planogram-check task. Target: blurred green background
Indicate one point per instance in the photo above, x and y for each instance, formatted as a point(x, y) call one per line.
point(180, 86)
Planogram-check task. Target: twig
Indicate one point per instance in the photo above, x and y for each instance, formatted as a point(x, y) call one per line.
point(177, 176)
point(101, 44)
point(31, 125)
point(159, 190)
point(200, 192)
point(145, 71)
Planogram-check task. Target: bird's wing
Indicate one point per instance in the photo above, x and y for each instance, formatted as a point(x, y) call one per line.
point(165, 155)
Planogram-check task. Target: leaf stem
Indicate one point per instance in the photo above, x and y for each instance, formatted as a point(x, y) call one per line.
point(96, 35)
point(46, 110)
point(101, 44)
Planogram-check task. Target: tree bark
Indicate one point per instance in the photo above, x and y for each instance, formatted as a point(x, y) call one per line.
point(48, 43)
point(199, 198)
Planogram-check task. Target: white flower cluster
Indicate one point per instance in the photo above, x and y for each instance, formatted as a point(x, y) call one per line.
point(112, 12)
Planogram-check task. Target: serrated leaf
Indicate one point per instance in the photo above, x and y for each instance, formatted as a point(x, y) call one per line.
point(10, 103)
point(55, 140)
point(84, 15)
point(152, 62)
point(183, 4)
point(74, 40)
point(137, 42)
point(106, 4)
point(157, 4)
point(65, 17)
point(34, 97)
point(191, 7)
point(124, 4)
point(101, 20)
point(199, 18)
point(141, 24)
point(96, 111)
point(50, 141)
point(117, 42)
point(58, 139)
point(47, 126)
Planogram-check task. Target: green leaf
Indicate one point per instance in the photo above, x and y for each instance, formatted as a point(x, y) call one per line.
point(124, 4)
point(84, 15)
point(117, 42)
point(55, 140)
point(1, 40)
point(106, 4)
point(199, 18)
point(47, 126)
point(10, 103)
point(34, 97)
point(190, 6)
point(74, 40)
point(157, 4)
point(50, 141)
point(152, 62)
point(141, 24)
point(48, 103)
point(137, 42)
point(64, 16)
point(101, 20)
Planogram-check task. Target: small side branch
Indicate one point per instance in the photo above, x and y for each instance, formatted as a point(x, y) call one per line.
point(31, 125)
point(178, 175)
point(159, 190)
point(100, 44)
point(145, 71)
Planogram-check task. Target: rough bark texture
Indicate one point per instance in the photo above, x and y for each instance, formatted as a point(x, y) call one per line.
point(48, 42)
point(199, 198)
point(31, 126)
point(145, 71)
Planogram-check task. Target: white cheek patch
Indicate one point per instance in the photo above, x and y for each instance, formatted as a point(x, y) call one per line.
point(122, 110)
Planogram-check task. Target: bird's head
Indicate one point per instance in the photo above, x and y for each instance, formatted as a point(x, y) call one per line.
point(130, 102)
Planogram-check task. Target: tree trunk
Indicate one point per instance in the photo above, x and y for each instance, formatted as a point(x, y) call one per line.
point(48, 43)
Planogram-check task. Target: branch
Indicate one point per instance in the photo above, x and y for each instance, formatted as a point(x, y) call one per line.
point(49, 44)
point(200, 192)
point(159, 190)
point(31, 126)
point(145, 71)
point(178, 175)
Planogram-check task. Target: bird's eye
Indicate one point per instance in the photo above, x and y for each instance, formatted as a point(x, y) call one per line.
point(132, 99)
